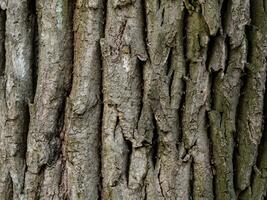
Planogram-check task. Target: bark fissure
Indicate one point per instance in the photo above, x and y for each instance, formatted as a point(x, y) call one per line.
point(2, 39)
point(133, 99)
point(155, 144)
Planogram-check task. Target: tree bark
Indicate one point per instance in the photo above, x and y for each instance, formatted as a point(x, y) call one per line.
point(133, 99)
point(44, 146)
point(83, 109)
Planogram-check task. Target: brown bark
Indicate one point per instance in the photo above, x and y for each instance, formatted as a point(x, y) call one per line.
point(133, 99)
point(122, 48)
point(18, 89)
point(44, 155)
point(5, 180)
point(82, 123)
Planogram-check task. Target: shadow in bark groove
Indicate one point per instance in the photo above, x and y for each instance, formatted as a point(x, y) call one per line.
point(155, 143)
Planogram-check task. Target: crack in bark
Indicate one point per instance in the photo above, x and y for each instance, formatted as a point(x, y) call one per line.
point(2, 40)
point(159, 180)
point(155, 143)
point(128, 158)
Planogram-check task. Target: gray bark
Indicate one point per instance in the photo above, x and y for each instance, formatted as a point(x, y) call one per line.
point(133, 99)
point(44, 154)
point(83, 109)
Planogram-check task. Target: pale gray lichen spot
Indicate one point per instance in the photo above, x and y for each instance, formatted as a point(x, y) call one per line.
point(59, 11)
point(3, 4)
point(19, 64)
point(9, 85)
point(126, 63)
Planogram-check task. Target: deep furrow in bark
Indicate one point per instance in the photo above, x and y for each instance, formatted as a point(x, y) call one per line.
point(210, 48)
point(35, 46)
point(44, 164)
point(218, 55)
point(100, 188)
point(169, 70)
point(18, 88)
point(141, 72)
point(63, 189)
point(224, 4)
point(2, 43)
point(155, 144)
point(83, 112)
point(228, 48)
point(104, 20)
point(128, 159)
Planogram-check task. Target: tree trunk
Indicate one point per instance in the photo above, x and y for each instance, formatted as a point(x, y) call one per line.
point(133, 99)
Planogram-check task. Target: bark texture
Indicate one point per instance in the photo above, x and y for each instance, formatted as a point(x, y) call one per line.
point(133, 99)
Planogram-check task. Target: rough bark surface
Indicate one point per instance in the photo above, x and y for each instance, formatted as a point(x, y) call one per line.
point(83, 110)
point(133, 99)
